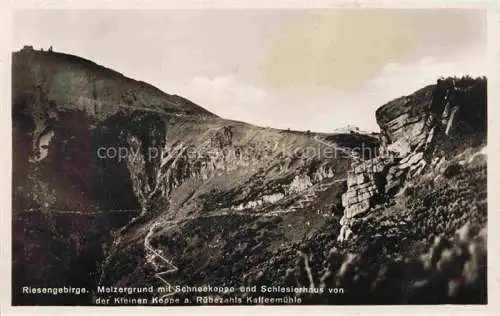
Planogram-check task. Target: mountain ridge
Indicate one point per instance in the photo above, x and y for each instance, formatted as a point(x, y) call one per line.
point(62, 62)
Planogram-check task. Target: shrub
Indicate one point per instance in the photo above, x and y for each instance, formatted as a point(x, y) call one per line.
point(452, 171)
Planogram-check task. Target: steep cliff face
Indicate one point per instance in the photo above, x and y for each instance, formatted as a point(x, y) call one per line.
point(118, 183)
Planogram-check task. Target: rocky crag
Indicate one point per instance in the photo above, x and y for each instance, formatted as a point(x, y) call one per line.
point(117, 183)
point(412, 129)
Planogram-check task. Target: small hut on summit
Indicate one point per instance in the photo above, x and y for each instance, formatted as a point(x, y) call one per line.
point(27, 48)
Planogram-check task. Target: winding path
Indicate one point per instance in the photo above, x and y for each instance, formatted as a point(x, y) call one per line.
point(152, 254)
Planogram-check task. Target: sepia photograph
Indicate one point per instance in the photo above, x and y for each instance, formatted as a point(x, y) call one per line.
point(259, 156)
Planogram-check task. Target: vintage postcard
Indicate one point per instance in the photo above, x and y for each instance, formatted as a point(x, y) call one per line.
point(223, 156)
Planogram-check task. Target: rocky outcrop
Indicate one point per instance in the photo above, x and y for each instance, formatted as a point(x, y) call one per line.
point(451, 108)
point(364, 189)
point(412, 130)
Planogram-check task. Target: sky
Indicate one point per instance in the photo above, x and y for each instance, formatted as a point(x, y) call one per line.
point(307, 69)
